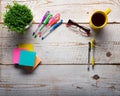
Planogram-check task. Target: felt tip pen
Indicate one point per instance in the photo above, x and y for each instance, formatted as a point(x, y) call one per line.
point(56, 25)
point(52, 29)
point(44, 17)
point(44, 24)
point(51, 22)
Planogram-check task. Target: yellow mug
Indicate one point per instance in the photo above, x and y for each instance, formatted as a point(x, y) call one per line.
point(99, 19)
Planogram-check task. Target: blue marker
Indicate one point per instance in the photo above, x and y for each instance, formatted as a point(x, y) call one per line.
point(52, 29)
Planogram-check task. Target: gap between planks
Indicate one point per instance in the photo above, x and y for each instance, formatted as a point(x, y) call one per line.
point(69, 64)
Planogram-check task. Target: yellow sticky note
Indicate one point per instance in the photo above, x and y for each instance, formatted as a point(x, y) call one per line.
point(28, 47)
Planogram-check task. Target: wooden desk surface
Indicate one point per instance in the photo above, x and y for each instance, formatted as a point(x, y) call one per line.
point(63, 71)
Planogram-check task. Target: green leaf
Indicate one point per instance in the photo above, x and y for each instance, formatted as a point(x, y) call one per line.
point(17, 17)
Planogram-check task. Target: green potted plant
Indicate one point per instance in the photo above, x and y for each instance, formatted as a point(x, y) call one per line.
point(18, 17)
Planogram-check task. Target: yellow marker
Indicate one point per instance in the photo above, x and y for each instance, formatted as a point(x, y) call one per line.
point(93, 52)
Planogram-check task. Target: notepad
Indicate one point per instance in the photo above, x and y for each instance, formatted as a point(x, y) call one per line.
point(27, 58)
point(29, 47)
point(16, 55)
point(37, 62)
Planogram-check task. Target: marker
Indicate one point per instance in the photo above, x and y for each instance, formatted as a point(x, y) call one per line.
point(44, 24)
point(53, 28)
point(93, 52)
point(44, 17)
point(52, 21)
point(56, 25)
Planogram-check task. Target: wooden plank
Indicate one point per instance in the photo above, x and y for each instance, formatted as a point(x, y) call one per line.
point(64, 53)
point(0, 43)
point(0, 12)
point(65, 46)
point(82, 9)
point(60, 80)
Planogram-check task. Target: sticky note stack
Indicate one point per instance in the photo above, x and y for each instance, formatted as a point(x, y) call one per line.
point(25, 56)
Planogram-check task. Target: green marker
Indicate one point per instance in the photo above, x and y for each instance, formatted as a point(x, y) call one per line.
point(46, 21)
point(44, 24)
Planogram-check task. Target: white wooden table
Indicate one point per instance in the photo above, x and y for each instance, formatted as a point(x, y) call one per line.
point(63, 71)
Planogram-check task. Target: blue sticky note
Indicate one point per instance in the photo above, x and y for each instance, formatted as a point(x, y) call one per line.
point(27, 58)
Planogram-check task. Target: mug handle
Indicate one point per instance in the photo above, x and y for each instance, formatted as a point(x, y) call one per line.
point(107, 11)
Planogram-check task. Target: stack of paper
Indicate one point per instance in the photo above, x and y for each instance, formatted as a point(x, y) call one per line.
point(25, 56)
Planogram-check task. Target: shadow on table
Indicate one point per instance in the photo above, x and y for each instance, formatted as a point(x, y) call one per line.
point(24, 70)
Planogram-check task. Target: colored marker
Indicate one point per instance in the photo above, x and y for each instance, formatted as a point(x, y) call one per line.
point(44, 24)
point(53, 28)
point(93, 52)
point(44, 17)
point(52, 21)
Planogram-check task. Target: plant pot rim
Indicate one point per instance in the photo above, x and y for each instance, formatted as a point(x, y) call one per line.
point(27, 26)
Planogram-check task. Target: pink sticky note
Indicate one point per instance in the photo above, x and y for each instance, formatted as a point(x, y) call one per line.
point(16, 55)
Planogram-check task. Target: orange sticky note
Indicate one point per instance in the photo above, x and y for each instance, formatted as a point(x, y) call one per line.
point(29, 47)
point(37, 62)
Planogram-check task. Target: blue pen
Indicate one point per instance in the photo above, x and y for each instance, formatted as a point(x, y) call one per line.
point(52, 29)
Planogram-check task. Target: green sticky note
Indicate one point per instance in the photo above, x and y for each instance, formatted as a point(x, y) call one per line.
point(27, 58)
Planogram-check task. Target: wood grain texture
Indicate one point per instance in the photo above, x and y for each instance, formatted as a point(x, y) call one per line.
point(65, 46)
point(60, 80)
point(63, 71)
point(0, 12)
point(0, 44)
point(79, 10)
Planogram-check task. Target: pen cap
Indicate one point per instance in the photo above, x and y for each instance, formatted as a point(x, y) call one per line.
point(47, 19)
point(58, 24)
point(45, 16)
point(89, 43)
point(55, 19)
